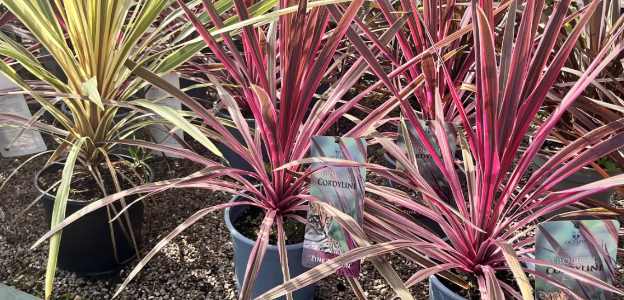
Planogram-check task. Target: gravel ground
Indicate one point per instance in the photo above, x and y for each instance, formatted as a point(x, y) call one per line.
point(197, 265)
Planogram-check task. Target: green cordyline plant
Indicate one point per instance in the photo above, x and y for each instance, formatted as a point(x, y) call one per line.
point(91, 41)
point(277, 70)
point(487, 227)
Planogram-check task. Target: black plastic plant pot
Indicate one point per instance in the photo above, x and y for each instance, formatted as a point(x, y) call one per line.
point(439, 291)
point(198, 93)
point(270, 274)
point(87, 246)
point(122, 112)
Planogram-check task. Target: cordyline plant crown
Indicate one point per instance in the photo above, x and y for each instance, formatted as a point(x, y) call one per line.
point(487, 223)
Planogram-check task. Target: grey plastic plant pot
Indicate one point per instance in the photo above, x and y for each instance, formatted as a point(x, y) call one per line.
point(270, 274)
point(439, 291)
point(159, 133)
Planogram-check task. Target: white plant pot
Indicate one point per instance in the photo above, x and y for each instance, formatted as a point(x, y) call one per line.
point(161, 134)
point(15, 141)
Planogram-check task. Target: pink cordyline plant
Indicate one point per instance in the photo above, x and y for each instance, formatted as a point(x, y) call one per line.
point(602, 103)
point(418, 76)
point(486, 228)
point(277, 73)
point(436, 22)
point(439, 25)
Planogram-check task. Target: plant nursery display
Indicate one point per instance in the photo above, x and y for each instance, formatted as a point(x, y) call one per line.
point(286, 116)
point(437, 149)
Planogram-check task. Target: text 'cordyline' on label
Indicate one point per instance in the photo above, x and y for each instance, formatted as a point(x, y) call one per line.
point(586, 245)
point(341, 187)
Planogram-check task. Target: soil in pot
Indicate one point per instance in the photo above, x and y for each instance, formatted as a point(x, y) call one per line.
point(84, 187)
point(92, 246)
point(270, 274)
point(443, 289)
point(251, 219)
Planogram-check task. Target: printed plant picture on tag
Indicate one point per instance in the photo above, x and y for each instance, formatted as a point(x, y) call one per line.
point(341, 187)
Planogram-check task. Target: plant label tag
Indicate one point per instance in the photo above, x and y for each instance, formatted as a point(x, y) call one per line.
point(586, 245)
point(409, 140)
point(15, 140)
point(341, 187)
point(161, 134)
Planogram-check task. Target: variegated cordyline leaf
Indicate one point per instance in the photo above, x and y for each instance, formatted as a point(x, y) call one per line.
point(606, 90)
point(513, 263)
point(58, 214)
point(257, 254)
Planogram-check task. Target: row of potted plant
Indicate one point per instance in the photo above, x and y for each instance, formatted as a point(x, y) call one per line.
point(474, 91)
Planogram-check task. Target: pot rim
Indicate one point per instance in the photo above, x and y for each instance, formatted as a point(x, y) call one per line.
point(69, 200)
point(122, 112)
point(223, 113)
point(434, 280)
point(236, 234)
